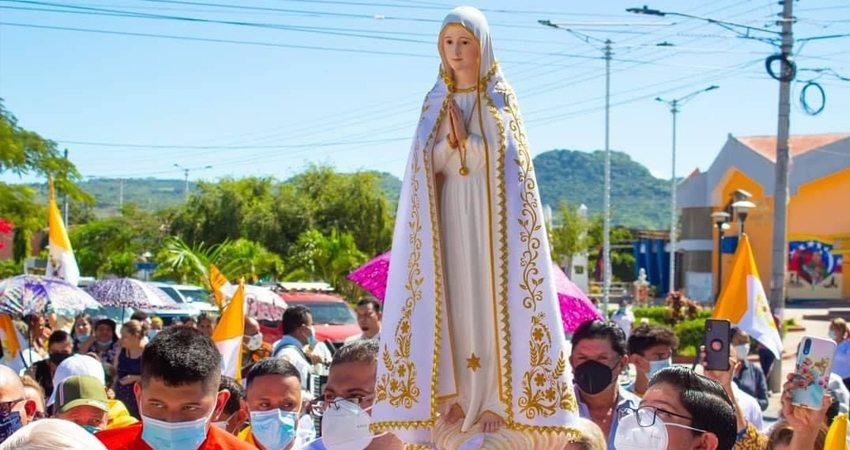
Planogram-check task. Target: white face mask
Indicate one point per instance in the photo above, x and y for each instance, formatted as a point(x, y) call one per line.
point(631, 436)
point(255, 342)
point(345, 426)
point(833, 335)
point(741, 351)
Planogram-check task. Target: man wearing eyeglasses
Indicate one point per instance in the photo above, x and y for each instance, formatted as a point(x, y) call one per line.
point(681, 410)
point(15, 410)
point(347, 401)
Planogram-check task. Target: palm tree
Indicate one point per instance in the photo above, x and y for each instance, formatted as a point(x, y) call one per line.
point(327, 258)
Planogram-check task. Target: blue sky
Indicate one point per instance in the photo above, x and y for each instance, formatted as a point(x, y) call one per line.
point(275, 108)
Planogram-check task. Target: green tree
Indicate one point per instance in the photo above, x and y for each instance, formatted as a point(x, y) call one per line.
point(186, 263)
point(112, 245)
point(568, 235)
point(275, 214)
point(250, 260)
point(327, 257)
point(24, 152)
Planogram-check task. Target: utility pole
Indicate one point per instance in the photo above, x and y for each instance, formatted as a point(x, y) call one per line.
point(121, 195)
point(781, 193)
point(186, 171)
point(674, 109)
point(674, 105)
point(65, 199)
point(606, 280)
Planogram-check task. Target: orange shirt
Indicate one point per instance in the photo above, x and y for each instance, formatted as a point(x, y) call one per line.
point(130, 438)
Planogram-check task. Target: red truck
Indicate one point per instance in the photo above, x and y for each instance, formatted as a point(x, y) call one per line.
point(333, 318)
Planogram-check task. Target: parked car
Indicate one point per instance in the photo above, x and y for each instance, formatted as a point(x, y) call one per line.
point(193, 301)
point(333, 318)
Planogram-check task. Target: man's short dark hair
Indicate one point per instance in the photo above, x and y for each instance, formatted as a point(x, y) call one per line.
point(294, 317)
point(706, 402)
point(237, 394)
point(141, 316)
point(363, 350)
point(597, 329)
point(58, 337)
point(272, 366)
point(181, 355)
point(376, 305)
point(647, 335)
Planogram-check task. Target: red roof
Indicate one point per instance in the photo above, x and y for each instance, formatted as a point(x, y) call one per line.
point(800, 144)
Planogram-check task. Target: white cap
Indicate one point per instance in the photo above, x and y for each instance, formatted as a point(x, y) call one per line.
point(76, 365)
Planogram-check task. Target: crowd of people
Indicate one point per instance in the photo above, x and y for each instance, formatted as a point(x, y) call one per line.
point(150, 386)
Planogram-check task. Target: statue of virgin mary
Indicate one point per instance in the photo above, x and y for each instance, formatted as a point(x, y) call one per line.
point(473, 347)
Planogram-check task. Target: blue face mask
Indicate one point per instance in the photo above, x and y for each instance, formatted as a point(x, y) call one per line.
point(274, 429)
point(9, 424)
point(82, 337)
point(311, 340)
point(104, 343)
point(656, 366)
point(92, 429)
point(174, 435)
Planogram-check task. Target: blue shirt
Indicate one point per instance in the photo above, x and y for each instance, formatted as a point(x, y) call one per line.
point(625, 399)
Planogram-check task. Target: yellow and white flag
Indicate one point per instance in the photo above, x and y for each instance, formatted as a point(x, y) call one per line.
point(228, 334)
point(13, 344)
point(744, 303)
point(837, 438)
point(217, 281)
point(61, 262)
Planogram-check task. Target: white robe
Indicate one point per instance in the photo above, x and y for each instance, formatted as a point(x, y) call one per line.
point(464, 220)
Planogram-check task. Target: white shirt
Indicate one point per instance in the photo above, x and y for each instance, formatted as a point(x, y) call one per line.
point(362, 337)
point(624, 320)
point(841, 363)
point(750, 407)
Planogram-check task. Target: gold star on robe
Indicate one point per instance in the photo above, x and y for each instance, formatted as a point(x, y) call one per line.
point(473, 363)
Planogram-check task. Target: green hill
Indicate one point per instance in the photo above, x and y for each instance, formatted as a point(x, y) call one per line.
point(638, 199)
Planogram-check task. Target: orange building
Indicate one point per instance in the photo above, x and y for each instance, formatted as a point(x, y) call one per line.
point(818, 214)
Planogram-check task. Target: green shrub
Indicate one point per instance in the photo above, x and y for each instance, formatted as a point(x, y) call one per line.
point(655, 314)
point(690, 333)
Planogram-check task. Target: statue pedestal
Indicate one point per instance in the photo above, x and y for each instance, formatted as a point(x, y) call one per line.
point(450, 437)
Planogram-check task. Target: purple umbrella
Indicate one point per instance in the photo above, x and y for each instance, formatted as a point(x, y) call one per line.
point(575, 306)
point(130, 293)
point(35, 294)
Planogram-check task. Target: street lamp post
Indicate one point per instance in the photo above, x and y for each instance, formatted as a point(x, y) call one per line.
point(674, 105)
point(742, 208)
point(720, 219)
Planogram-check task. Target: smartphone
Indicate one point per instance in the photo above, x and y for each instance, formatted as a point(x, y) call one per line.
point(814, 363)
point(718, 333)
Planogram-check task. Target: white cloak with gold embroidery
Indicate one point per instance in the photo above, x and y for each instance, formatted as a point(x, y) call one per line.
point(426, 359)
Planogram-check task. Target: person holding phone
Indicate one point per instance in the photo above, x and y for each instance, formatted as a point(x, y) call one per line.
point(748, 437)
point(748, 377)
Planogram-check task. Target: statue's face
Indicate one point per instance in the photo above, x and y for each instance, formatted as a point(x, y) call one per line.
point(460, 48)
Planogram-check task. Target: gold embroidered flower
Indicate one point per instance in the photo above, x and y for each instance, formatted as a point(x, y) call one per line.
point(540, 379)
point(537, 334)
point(550, 394)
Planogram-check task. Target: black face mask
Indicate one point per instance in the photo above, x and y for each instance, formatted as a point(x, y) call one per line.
point(593, 377)
point(9, 424)
point(57, 358)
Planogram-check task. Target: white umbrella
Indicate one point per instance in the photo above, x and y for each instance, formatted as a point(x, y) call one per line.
point(261, 303)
